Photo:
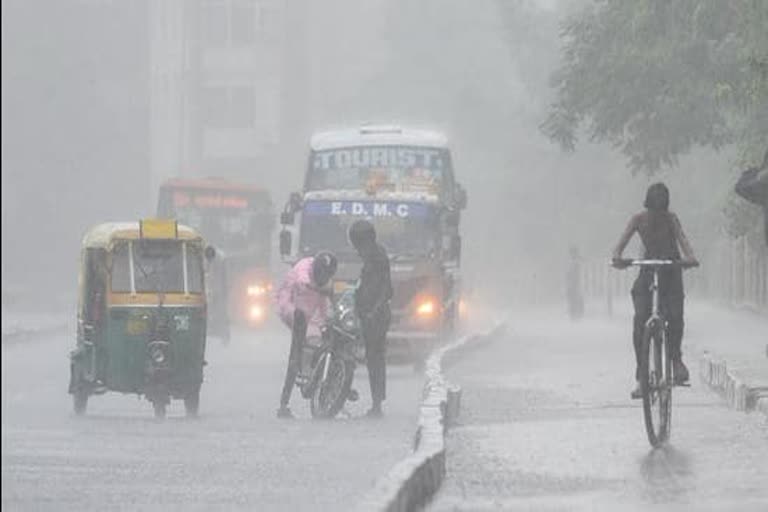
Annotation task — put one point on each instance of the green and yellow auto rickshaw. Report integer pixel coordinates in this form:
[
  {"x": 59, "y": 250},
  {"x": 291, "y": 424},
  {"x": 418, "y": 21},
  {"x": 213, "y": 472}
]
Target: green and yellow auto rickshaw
[{"x": 141, "y": 314}]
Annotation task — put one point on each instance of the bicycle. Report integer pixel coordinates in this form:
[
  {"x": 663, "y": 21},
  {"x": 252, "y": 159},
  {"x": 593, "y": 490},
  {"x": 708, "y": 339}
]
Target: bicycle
[{"x": 656, "y": 379}]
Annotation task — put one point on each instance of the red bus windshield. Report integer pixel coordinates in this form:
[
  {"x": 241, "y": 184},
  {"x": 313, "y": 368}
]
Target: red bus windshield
[{"x": 229, "y": 219}]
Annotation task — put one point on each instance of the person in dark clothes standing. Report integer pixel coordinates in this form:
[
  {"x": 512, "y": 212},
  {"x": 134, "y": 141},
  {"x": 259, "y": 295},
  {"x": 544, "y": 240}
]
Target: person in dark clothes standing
[{"x": 372, "y": 304}]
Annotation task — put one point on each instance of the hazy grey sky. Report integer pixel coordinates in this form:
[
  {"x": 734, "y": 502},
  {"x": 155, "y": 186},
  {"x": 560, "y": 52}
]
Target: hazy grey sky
[{"x": 77, "y": 114}]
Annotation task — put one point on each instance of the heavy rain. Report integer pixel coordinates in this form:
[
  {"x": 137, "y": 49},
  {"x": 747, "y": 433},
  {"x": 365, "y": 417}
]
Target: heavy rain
[{"x": 385, "y": 255}]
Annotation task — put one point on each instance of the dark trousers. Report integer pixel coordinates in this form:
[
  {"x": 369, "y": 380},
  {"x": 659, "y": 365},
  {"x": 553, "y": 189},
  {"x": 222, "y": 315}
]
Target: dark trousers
[
  {"x": 298, "y": 338},
  {"x": 375, "y": 336},
  {"x": 671, "y": 299}
]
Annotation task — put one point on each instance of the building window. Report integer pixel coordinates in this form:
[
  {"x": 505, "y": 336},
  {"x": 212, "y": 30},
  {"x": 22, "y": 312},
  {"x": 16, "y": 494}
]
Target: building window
[
  {"x": 231, "y": 22},
  {"x": 229, "y": 107}
]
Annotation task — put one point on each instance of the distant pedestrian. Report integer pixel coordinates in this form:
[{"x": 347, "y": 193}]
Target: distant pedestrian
[
  {"x": 574, "y": 292},
  {"x": 218, "y": 309}
]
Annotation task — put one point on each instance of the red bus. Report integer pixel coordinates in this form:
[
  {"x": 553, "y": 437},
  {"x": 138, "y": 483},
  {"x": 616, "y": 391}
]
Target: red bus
[{"x": 237, "y": 219}]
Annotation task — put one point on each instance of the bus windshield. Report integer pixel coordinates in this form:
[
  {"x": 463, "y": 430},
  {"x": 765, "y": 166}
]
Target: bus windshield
[
  {"x": 381, "y": 168},
  {"x": 234, "y": 221},
  {"x": 405, "y": 229}
]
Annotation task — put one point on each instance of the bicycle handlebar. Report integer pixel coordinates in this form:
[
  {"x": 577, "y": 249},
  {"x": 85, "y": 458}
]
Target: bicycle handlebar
[{"x": 653, "y": 263}]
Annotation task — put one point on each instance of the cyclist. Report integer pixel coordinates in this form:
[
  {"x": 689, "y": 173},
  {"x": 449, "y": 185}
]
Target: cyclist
[
  {"x": 663, "y": 238},
  {"x": 303, "y": 300}
]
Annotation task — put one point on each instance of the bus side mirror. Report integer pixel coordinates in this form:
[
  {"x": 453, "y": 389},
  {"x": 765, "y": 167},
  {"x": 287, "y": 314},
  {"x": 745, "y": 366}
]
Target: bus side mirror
[
  {"x": 461, "y": 197},
  {"x": 285, "y": 243},
  {"x": 287, "y": 218},
  {"x": 210, "y": 253},
  {"x": 88, "y": 332}
]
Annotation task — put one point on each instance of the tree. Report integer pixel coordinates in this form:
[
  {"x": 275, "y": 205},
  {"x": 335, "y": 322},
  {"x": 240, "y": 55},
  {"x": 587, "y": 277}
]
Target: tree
[{"x": 656, "y": 78}]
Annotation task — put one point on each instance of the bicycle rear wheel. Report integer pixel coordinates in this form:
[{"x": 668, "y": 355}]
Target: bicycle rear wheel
[{"x": 656, "y": 384}]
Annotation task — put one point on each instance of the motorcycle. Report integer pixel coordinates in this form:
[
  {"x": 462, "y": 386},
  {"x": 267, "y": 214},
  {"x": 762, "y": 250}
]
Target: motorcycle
[{"x": 328, "y": 367}]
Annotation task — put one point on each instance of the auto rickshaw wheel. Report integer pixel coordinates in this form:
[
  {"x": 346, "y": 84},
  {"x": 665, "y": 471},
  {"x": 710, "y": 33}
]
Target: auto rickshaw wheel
[
  {"x": 79, "y": 402},
  {"x": 192, "y": 404}
]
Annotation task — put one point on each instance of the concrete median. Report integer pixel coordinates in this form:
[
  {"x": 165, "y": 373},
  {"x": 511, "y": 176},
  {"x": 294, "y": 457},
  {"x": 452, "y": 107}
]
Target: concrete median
[
  {"x": 740, "y": 392},
  {"x": 412, "y": 483}
]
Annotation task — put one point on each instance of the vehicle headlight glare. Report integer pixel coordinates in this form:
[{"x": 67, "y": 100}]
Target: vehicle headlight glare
[
  {"x": 426, "y": 308},
  {"x": 256, "y": 290}
]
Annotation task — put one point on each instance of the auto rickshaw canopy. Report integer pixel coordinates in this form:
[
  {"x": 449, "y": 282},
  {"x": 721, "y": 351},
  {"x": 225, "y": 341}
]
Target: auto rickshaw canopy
[{"x": 103, "y": 236}]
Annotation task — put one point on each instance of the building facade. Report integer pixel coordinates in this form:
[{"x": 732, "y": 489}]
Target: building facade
[{"x": 216, "y": 78}]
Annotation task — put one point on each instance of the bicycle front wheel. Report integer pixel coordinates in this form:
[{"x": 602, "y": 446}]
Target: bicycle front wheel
[
  {"x": 656, "y": 384},
  {"x": 331, "y": 390}
]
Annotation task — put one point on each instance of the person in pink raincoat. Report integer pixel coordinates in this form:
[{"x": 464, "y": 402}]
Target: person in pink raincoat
[{"x": 303, "y": 302}]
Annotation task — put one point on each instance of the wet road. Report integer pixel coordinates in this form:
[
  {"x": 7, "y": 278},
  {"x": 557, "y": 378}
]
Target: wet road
[
  {"x": 547, "y": 424},
  {"x": 237, "y": 455}
]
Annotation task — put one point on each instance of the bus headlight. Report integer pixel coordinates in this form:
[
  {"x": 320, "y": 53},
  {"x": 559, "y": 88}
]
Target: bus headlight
[{"x": 426, "y": 308}]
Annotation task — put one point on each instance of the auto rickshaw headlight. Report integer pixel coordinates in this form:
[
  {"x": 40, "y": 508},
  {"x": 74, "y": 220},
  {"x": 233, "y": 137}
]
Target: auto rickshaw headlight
[{"x": 158, "y": 356}]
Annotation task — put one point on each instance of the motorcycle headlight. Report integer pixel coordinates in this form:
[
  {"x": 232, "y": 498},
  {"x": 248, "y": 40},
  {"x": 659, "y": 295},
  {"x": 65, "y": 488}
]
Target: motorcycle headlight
[{"x": 348, "y": 320}]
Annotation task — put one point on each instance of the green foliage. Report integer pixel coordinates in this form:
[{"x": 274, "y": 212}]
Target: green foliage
[{"x": 656, "y": 78}]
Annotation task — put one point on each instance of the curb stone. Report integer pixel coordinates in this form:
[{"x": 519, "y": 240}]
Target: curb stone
[
  {"x": 413, "y": 481},
  {"x": 737, "y": 394},
  {"x": 762, "y": 406}
]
